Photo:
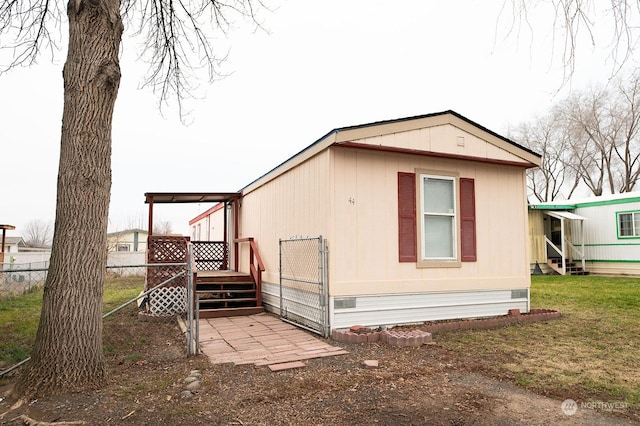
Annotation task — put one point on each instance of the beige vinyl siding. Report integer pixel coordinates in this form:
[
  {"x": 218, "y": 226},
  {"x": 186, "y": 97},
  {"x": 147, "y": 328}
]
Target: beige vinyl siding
[
  {"x": 614, "y": 268},
  {"x": 293, "y": 205},
  {"x": 442, "y": 139},
  {"x": 349, "y": 196},
  {"x": 364, "y": 249},
  {"x": 536, "y": 237}
]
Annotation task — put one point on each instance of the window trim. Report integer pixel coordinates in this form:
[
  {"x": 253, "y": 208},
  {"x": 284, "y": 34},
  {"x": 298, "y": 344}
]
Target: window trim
[
  {"x": 422, "y": 262},
  {"x": 636, "y": 232},
  {"x": 123, "y": 248}
]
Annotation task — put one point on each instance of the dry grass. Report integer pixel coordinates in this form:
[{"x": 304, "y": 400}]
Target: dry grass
[
  {"x": 432, "y": 384},
  {"x": 591, "y": 353},
  {"x": 19, "y": 316}
]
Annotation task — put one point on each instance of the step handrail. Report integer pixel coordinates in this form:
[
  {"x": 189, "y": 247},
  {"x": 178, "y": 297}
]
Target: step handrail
[
  {"x": 255, "y": 269},
  {"x": 560, "y": 250},
  {"x": 575, "y": 248}
]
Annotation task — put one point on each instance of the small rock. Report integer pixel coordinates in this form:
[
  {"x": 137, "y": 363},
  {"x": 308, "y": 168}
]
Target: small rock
[
  {"x": 186, "y": 394},
  {"x": 371, "y": 363},
  {"x": 194, "y": 385},
  {"x": 190, "y": 379},
  {"x": 195, "y": 373}
]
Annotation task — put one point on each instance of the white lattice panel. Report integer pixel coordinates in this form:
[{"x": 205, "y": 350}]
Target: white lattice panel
[{"x": 168, "y": 301}]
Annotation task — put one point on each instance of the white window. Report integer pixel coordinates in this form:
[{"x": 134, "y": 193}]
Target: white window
[
  {"x": 438, "y": 195},
  {"x": 629, "y": 224},
  {"x": 122, "y": 247}
]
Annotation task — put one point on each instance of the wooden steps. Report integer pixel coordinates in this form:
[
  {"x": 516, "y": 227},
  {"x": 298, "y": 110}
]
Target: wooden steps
[
  {"x": 225, "y": 293},
  {"x": 571, "y": 267},
  {"x": 230, "y": 312}
]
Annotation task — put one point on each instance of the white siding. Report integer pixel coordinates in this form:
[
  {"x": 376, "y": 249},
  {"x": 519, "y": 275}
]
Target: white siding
[
  {"x": 41, "y": 260},
  {"x": 601, "y": 237},
  {"x": 397, "y": 309}
]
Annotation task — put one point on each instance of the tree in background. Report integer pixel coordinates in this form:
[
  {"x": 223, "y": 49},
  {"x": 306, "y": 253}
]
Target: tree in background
[
  {"x": 546, "y": 136},
  {"x": 67, "y": 355},
  {"x": 591, "y": 139},
  {"x": 612, "y": 25},
  {"x": 38, "y": 233},
  {"x": 163, "y": 227}
]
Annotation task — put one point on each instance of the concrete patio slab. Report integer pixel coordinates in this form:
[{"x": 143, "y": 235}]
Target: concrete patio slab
[{"x": 260, "y": 339}]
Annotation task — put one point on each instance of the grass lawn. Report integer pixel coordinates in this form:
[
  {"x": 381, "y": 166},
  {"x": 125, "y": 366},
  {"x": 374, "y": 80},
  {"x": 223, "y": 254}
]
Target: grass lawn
[
  {"x": 19, "y": 316},
  {"x": 590, "y": 354}
]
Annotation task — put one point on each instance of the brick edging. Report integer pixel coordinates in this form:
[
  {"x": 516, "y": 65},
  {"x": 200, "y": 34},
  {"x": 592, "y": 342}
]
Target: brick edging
[{"x": 360, "y": 334}]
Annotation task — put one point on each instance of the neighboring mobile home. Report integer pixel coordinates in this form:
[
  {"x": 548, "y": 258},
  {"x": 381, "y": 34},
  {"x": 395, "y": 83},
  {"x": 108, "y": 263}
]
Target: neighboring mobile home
[
  {"x": 209, "y": 225},
  {"x": 129, "y": 240},
  {"x": 425, "y": 218},
  {"x": 601, "y": 233}
]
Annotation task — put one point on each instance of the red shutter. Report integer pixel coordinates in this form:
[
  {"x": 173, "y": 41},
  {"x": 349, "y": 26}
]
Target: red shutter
[
  {"x": 468, "y": 220},
  {"x": 407, "y": 234}
]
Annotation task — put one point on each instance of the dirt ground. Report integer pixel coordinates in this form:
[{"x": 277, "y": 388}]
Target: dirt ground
[{"x": 430, "y": 385}]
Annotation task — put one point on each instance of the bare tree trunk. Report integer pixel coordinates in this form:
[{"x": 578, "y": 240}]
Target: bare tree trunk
[{"x": 68, "y": 349}]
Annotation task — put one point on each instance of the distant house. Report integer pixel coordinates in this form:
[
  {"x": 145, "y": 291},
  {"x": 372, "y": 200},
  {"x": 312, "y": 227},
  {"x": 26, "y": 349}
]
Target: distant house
[
  {"x": 129, "y": 240},
  {"x": 599, "y": 234},
  {"x": 14, "y": 245},
  {"x": 424, "y": 218},
  {"x": 209, "y": 225}
]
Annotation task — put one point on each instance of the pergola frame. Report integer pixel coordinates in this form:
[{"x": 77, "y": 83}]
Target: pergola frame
[{"x": 152, "y": 198}]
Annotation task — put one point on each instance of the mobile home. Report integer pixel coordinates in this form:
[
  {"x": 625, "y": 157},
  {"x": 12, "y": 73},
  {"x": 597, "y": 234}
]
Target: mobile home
[
  {"x": 410, "y": 220},
  {"x": 602, "y": 233}
]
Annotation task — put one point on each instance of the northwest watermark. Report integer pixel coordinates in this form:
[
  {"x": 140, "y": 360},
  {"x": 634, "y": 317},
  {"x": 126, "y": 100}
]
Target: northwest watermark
[{"x": 569, "y": 407}]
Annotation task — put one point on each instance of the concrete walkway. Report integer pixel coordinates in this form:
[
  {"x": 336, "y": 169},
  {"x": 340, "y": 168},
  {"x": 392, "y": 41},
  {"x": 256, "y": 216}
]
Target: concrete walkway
[{"x": 261, "y": 339}]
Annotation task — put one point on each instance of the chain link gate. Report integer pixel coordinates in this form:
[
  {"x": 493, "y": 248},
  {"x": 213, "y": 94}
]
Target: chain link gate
[{"x": 304, "y": 276}]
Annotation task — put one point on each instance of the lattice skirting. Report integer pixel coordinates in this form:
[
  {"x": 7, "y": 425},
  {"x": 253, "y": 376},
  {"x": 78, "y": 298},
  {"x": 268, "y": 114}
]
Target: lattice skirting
[{"x": 168, "y": 301}]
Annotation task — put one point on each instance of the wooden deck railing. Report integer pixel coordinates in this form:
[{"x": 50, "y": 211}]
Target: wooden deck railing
[
  {"x": 256, "y": 267},
  {"x": 210, "y": 255}
]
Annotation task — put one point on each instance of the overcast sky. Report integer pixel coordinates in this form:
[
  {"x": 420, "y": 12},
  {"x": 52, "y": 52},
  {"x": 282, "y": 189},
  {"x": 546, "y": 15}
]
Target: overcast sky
[{"x": 322, "y": 65}]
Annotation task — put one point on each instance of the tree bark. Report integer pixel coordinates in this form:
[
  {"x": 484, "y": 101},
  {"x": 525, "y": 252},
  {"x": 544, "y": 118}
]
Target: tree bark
[{"x": 67, "y": 355}]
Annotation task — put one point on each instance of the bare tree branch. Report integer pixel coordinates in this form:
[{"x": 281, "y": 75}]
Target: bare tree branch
[
  {"x": 181, "y": 41},
  {"x": 594, "y": 135},
  {"x": 26, "y": 27},
  {"x": 575, "y": 22},
  {"x": 557, "y": 176}
]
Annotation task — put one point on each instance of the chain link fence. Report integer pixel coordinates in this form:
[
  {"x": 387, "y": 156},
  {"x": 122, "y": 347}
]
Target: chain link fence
[
  {"x": 18, "y": 277},
  {"x": 303, "y": 283},
  {"x": 21, "y": 278},
  {"x": 165, "y": 299}
]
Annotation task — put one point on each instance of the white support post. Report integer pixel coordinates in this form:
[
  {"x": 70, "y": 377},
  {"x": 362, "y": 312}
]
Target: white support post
[
  {"x": 584, "y": 268},
  {"x": 563, "y": 248}
]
